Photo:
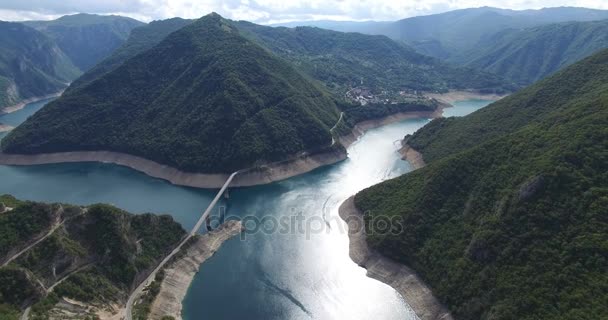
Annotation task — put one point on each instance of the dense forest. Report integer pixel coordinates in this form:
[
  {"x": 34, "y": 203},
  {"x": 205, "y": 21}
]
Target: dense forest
[
  {"x": 87, "y": 38},
  {"x": 508, "y": 219},
  {"x": 204, "y": 99},
  {"x": 31, "y": 64},
  {"x": 528, "y": 55},
  {"x": 341, "y": 60},
  {"x": 96, "y": 256}
]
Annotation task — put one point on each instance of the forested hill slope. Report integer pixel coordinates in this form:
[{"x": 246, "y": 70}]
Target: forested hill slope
[
  {"x": 534, "y": 104},
  {"x": 342, "y": 60},
  {"x": 31, "y": 64},
  {"x": 94, "y": 255},
  {"x": 140, "y": 39},
  {"x": 205, "y": 99},
  {"x": 528, "y": 55},
  {"x": 508, "y": 220},
  {"x": 87, "y": 38}
]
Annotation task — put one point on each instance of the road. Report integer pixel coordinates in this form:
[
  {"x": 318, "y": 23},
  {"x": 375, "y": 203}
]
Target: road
[
  {"x": 56, "y": 226},
  {"x": 333, "y": 139},
  {"x": 128, "y": 310}
]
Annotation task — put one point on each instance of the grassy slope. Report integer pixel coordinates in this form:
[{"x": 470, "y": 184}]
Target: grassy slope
[
  {"x": 525, "y": 56},
  {"x": 204, "y": 99},
  {"x": 87, "y": 38},
  {"x": 508, "y": 220},
  {"x": 31, "y": 64},
  {"x": 117, "y": 248}
]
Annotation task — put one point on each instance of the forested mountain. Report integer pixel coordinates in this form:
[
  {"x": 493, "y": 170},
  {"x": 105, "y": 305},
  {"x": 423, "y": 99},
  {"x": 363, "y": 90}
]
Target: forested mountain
[
  {"x": 342, "y": 60},
  {"x": 93, "y": 255},
  {"x": 141, "y": 39},
  {"x": 451, "y": 33},
  {"x": 30, "y": 64},
  {"x": 87, "y": 38},
  {"x": 528, "y": 55},
  {"x": 508, "y": 219},
  {"x": 204, "y": 99}
]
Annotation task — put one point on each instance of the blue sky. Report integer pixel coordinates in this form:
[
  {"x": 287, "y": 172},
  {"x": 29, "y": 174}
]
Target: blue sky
[{"x": 266, "y": 11}]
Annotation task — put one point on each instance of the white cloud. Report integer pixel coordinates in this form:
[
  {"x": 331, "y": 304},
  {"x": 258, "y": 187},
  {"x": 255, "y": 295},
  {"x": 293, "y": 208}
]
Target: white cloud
[{"x": 263, "y": 11}]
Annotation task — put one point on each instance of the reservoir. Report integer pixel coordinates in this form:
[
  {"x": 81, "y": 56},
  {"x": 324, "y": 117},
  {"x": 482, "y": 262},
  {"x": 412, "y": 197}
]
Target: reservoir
[{"x": 274, "y": 272}]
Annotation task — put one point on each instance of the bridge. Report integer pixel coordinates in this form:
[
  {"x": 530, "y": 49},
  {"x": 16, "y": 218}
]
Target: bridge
[{"x": 137, "y": 292}]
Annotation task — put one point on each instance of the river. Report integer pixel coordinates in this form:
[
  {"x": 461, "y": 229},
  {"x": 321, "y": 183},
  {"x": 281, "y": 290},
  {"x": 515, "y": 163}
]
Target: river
[{"x": 277, "y": 272}]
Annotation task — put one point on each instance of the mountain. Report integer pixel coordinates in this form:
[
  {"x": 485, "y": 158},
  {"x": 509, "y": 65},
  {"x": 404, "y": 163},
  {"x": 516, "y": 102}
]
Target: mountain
[
  {"x": 341, "y": 60},
  {"x": 141, "y": 39},
  {"x": 94, "y": 255},
  {"x": 446, "y": 34},
  {"x": 205, "y": 99},
  {"x": 31, "y": 64},
  {"x": 87, "y": 38},
  {"x": 508, "y": 219},
  {"x": 528, "y": 55}
]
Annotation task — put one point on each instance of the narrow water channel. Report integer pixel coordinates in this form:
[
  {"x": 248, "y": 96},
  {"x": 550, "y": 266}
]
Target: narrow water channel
[{"x": 298, "y": 272}]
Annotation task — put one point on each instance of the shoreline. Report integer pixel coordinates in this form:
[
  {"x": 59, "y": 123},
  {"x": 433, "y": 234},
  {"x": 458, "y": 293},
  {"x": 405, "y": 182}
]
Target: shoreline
[
  {"x": 23, "y": 103},
  {"x": 401, "y": 278},
  {"x": 360, "y": 128},
  {"x": 250, "y": 177},
  {"x": 180, "y": 273},
  {"x": 412, "y": 156},
  {"x": 459, "y": 95}
]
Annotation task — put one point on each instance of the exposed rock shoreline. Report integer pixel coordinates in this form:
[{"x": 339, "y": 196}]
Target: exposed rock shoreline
[
  {"x": 251, "y": 177},
  {"x": 460, "y": 95},
  {"x": 412, "y": 156},
  {"x": 23, "y": 103},
  {"x": 403, "y": 279},
  {"x": 180, "y": 273}
]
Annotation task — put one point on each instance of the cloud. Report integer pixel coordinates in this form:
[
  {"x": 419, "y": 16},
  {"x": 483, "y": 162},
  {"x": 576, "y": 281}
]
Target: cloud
[{"x": 264, "y": 11}]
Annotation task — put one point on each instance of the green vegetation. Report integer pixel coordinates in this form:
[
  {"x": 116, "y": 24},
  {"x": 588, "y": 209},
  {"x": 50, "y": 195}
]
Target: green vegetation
[
  {"x": 141, "y": 310},
  {"x": 87, "y": 38},
  {"x": 31, "y": 64},
  {"x": 141, "y": 39},
  {"x": 525, "y": 56},
  {"x": 204, "y": 99},
  {"x": 508, "y": 219},
  {"x": 358, "y": 113},
  {"x": 341, "y": 60},
  {"x": 98, "y": 254},
  {"x": 22, "y": 223}
]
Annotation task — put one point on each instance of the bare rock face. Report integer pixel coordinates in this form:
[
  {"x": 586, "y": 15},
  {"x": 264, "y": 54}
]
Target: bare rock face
[{"x": 531, "y": 187}]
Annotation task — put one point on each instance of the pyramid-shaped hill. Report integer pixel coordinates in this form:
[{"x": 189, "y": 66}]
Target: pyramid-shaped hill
[{"x": 205, "y": 99}]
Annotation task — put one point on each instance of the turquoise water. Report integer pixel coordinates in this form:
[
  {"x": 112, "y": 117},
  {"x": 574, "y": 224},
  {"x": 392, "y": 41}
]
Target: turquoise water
[
  {"x": 301, "y": 274},
  {"x": 462, "y": 108}
]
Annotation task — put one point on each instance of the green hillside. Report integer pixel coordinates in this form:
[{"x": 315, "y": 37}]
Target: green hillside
[
  {"x": 449, "y": 34},
  {"x": 526, "y": 56},
  {"x": 141, "y": 39},
  {"x": 508, "y": 219},
  {"x": 204, "y": 99},
  {"x": 95, "y": 257},
  {"x": 341, "y": 60},
  {"x": 30, "y": 64},
  {"x": 87, "y": 38}
]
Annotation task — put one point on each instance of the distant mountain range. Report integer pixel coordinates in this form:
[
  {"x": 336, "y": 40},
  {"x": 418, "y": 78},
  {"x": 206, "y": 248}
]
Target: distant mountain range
[
  {"x": 508, "y": 218},
  {"x": 38, "y": 58},
  {"x": 87, "y": 38},
  {"x": 31, "y": 64},
  {"x": 448, "y": 34},
  {"x": 526, "y": 56}
]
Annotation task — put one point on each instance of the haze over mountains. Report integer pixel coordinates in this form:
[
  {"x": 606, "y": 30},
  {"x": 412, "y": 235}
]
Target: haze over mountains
[{"x": 39, "y": 58}]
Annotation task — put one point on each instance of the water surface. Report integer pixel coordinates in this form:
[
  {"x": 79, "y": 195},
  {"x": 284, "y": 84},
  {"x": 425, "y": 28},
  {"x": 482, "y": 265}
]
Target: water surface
[{"x": 267, "y": 275}]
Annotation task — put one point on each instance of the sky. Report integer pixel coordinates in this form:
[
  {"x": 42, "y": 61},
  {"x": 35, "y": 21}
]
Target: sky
[{"x": 266, "y": 11}]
